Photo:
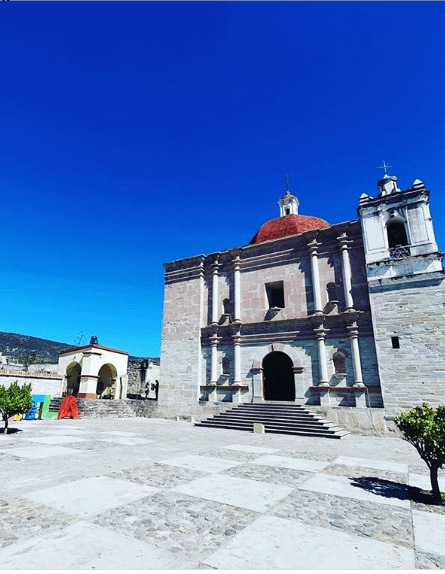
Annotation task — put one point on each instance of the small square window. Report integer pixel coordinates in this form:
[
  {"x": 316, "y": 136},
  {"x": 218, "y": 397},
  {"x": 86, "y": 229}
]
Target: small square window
[
  {"x": 395, "y": 342},
  {"x": 275, "y": 294}
]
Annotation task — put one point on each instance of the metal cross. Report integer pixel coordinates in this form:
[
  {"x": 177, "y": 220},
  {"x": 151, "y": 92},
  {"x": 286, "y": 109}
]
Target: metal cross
[
  {"x": 287, "y": 183},
  {"x": 384, "y": 166}
]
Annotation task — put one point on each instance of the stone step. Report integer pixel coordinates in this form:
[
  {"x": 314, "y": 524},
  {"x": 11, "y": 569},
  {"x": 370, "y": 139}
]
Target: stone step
[
  {"x": 279, "y": 419},
  {"x": 268, "y": 429}
]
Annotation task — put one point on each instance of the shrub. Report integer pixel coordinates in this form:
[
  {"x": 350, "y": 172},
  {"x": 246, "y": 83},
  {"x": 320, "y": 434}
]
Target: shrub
[
  {"x": 424, "y": 427},
  {"x": 14, "y": 400}
]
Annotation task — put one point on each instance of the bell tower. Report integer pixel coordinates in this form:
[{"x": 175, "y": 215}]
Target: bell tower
[
  {"x": 398, "y": 232},
  {"x": 288, "y": 203},
  {"x": 406, "y": 285}
]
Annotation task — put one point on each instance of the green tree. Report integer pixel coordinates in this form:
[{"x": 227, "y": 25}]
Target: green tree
[
  {"x": 14, "y": 400},
  {"x": 29, "y": 358},
  {"x": 424, "y": 427}
]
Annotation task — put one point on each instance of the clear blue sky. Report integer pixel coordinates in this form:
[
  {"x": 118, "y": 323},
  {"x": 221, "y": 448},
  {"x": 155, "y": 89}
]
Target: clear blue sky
[{"x": 138, "y": 133}]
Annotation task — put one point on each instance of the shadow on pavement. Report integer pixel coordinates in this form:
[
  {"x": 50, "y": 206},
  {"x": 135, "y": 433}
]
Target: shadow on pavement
[
  {"x": 382, "y": 487},
  {"x": 10, "y": 431}
]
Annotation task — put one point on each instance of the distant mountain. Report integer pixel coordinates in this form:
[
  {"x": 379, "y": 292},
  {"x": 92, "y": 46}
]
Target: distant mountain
[{"x": 18, "y": 346}]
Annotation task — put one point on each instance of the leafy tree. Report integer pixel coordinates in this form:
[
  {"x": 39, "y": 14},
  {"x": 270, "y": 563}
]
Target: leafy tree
[
  {"x": 14, "y": 400},
  {"x": 27, "y": 359},
  {"x": 424, "y": 427}
]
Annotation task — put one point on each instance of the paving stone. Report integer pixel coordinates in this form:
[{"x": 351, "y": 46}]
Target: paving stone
[
  {"x": 249, "y": 494},
  {"x": 360, "y": 488},
  {"x": 429, "y": 532},
  {"x": 196, "y": 526},
  {"x": 374, "y": 464},
  {"x": 125, "y": 440},
  {"x": 384, "y": 476},
  {"x": 21, "y": 519},
  {"x": 191, "y": 513},
  {"x": 251, "y": 448},
  {"x": 357, "y": 516},
  {"x": 270, "y": 474},
  {"x": 157, "y": 474},
  {"x": 429, "y": 561},
  {"x": 34, "y": 452},
  {"x": 66, "y": 550},
  {"x": 90, "y": 495},
  {"x": 63, "y": 439},
  {"x": 200, "y": 463},
  {"x": 291, "y": 463},
  {"x": 230, "y": 454},
  {"x": 270, "y": 543}
]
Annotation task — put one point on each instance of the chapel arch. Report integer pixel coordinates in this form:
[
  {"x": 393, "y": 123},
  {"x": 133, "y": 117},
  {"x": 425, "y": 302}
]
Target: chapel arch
[
  {"x": 278, "y": 377},
  {"x": 106, "y": 382},
  {"x": 73, "y": 371}
]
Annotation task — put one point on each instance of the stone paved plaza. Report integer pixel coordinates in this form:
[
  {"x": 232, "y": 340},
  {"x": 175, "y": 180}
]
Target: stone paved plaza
[{"x": 158, "y": 494}]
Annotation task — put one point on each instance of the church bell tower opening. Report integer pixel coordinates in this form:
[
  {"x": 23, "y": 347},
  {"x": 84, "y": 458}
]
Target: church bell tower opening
[{"x": 278, "y": 377}]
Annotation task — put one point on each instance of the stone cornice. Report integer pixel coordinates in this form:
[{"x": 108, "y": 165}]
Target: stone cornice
[
  {"x": 90, "y": 348},
  {"x": 293, "y": 330}
]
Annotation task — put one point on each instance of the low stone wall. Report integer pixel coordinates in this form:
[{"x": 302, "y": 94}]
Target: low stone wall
[
  {"x": 121, "y": 408},
  {"x": 361, "y": 421}
]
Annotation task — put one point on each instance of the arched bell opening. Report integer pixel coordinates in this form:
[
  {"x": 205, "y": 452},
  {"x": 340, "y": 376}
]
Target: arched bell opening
[
  {"x": 278, "y": 377},
  {"x": 396, "y": 234}
]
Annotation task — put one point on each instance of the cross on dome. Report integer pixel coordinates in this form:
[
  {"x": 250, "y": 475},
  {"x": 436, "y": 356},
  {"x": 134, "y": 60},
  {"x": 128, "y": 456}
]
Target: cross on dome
[{"x": 287, "y": 183}]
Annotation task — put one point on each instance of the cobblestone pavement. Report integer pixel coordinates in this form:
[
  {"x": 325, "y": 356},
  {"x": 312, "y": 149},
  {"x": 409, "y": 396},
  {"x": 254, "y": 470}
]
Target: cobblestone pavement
[{"x": 157, "y": 494}]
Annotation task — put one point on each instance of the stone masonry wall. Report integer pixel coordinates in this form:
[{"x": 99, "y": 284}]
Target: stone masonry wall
[
  {"x": 306, "y": 353},
  {"x": 180, "y": 375},
  {"x": 412, "y": 310}
]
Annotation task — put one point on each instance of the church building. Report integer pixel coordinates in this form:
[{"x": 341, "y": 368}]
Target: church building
[{"x": 347, "y": 319}]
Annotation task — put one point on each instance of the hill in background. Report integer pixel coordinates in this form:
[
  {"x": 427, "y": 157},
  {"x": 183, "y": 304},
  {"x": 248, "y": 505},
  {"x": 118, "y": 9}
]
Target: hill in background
[{"x": 18, "y": 346}]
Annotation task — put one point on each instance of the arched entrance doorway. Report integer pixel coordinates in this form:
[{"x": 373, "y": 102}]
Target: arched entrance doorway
[
  {"x": 106, "y": 382},
  {"x": 73, "y": 371},
  {"x": 278, "y": 377}
]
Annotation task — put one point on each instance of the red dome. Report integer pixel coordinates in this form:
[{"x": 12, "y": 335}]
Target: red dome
[{"x": 288, "y": 225}]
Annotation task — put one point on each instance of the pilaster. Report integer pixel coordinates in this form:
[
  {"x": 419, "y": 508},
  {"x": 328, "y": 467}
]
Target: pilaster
[
  {"x": 344, "y": 243},
  {"x": 313, "y": 252}
]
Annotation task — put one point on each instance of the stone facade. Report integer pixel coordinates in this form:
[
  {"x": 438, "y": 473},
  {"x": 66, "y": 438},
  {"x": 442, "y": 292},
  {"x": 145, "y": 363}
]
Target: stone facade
[
  {"x": 299, "y": 301},
  {"x": 346, "y": 318},
  {"x": 410, "y": 340}
]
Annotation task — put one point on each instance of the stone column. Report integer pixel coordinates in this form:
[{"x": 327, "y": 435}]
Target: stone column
[
  {"x": 117, "y": 388},
  {"x": 89, "y": 375},
  {"x": 124, "y": 385},
  {"x": 320, "y": 333},
  {"x": 214, "y": 358},
  {"x": 236, "y": 287},
  {"x": 346, "y": 270},
  {"x": 64, "y": 387},
  {"x": 215, "y": 299},
  {"x": 236, "y": 336},
  {"x": 313, "y": 251},
  {"x": 355, "y": 351}
]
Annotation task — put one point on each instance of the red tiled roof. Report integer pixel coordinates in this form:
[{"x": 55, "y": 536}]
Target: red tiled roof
[{"x": 288, "y": 225}]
